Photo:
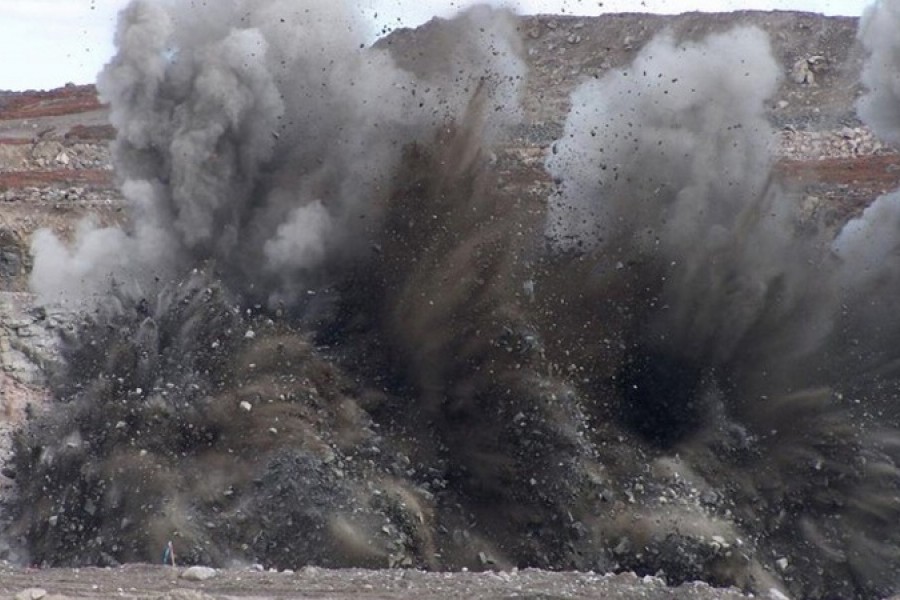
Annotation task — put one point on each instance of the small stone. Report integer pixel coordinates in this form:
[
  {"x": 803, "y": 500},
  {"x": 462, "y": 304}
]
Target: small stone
[
  {"x": 776, "y": 594},
  {"x": 180, "y": 594},
  {"x": 198, "y": 573},
  {"x": 31, "y": 594},
  {"x": 528, "y": 288},
  {"x": 246, "y": 406},
  {"x": 782, "y": 563},
  {"x": 709, "y": 497}
]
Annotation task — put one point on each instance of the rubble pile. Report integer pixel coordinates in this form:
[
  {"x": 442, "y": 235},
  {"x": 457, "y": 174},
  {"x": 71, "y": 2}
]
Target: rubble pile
[
  {"x": 60, "y": 197},
  {"x": 59, "y": 155},
  {"x": 846, "y": 142},
  {"x": 54, "y": 155}
]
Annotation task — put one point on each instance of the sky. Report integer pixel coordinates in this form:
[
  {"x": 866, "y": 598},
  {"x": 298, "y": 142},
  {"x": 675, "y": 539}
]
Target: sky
[{"x": 47, "y": 43}]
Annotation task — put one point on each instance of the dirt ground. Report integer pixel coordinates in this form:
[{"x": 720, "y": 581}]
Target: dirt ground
[{"x": 151, "y": 581}]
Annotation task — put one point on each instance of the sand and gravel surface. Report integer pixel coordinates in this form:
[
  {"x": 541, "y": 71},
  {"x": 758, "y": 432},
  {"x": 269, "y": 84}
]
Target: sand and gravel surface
[{"x": 151, "y": 581}]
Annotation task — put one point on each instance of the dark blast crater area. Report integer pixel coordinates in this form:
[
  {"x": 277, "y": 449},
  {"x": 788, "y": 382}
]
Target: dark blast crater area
[
  {"x": 661, "y": 398},
  {"x": 354, "y": 319}
]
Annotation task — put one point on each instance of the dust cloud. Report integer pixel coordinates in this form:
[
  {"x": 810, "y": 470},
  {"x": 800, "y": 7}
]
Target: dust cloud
[{"x": 267, "y": 151}]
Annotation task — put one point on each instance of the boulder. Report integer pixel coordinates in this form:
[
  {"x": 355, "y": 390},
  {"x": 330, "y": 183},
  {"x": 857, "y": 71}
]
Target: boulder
[{"x": 198, "y": 573}]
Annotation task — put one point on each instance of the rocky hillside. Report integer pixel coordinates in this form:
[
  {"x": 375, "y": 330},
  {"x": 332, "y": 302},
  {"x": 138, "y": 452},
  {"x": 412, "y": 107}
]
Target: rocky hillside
[
  {"x": 820, "y": 56},
  {"x": 823, "y": 147},
  {"x": 54, "y": 171}
]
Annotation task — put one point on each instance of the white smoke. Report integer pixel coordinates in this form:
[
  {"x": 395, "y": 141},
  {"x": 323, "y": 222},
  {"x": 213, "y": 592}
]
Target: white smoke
[
  {"x": 263, "y": 136},
  {"x": 880, "y": 106},
  {"x": 668, "y": 160},
  {"x": 868, "y": 246},
  {"x": 679, "y": 133}
]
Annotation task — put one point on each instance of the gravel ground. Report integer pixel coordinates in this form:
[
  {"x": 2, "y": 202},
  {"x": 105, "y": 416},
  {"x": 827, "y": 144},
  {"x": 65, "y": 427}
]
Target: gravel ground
[{"x": 149, "y": 581}]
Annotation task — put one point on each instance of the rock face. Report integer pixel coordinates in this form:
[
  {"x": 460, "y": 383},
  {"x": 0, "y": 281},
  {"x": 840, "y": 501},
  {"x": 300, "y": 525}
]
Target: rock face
[
  {"x": 54, "y": 171},
  {"x": 13, "y": 258}
]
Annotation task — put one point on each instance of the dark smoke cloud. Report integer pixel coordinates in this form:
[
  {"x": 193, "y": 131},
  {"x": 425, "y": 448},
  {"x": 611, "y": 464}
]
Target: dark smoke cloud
[
  {"x": 658, "y": 368},
  {"x": 180, "y": 423}
]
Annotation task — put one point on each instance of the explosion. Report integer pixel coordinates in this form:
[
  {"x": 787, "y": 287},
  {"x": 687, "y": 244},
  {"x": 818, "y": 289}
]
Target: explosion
[{"x": 331, "y": 335}]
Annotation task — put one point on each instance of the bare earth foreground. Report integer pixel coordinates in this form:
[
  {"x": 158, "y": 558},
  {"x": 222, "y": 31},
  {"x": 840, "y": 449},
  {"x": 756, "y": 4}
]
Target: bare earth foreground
[{"x": 147, "y": 581}]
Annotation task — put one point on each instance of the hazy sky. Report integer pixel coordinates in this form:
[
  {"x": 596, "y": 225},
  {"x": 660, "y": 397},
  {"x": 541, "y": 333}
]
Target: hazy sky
[{"x": 46, "y": 43}]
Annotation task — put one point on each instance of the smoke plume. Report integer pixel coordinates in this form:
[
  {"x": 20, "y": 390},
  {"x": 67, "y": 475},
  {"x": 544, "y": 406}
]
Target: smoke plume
[
  {"x": 739, "y": 321},
  {"x": 333, "y": 333},
  {"x": 264, "y": 137},
  {"x": 664, "y": 164},
  {"x": 880, "y": 108}
]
